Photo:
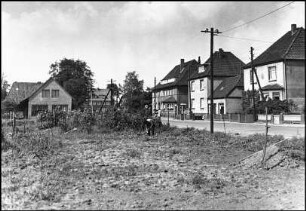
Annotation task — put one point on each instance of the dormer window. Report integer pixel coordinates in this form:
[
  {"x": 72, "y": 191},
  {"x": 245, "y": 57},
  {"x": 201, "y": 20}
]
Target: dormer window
[{"x": 201, "y": 69}]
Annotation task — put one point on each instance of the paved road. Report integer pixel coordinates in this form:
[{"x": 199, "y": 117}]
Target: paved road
[{"x": 243, "y": 129}]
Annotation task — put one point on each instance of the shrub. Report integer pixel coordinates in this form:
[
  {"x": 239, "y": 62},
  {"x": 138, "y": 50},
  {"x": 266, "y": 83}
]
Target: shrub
[{"x": 38, "y": 144}]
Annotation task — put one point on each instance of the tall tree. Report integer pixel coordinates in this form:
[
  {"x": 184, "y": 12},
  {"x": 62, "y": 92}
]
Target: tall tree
[
  {"x": 4, "y": 87},
  {"x": 133, "y": 92},
  {"x": 76, "y": 78}
]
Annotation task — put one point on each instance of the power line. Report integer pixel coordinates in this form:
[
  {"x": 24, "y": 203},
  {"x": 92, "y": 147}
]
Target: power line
[
  {"x": 240, "y": 38},
  {"x": 258, "y": 18}
]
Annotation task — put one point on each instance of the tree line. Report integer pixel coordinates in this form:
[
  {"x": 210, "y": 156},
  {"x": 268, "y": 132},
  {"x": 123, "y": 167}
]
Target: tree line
[{"x": 76, "y": 77}]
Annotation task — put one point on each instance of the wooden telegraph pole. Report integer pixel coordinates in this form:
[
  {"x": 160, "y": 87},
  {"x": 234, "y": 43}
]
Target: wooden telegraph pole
[
  {"x": 252, "y": 81},
  {"x": 212, "y": 33}
]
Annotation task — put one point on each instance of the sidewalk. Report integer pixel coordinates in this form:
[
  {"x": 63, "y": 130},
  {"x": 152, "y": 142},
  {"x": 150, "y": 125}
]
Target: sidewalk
[{"x": 221, "y": 122}]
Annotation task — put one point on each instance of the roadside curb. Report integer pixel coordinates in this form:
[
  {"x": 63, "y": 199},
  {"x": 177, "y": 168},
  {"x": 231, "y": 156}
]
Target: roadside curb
[{"x": 255, "y": 123}]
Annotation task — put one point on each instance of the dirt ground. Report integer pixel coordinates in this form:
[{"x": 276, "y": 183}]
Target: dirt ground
[{"x": 132, "y": 171}]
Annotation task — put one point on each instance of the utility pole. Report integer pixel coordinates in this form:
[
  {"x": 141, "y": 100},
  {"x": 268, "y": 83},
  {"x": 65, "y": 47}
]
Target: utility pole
[
  {"x": 189, "y": 93},
  {"x": 212, "y": 33},
  {"x": 252, "y": 81},
  {"x": 154, "y": 94},
  {"x": 112, "y": 90}
]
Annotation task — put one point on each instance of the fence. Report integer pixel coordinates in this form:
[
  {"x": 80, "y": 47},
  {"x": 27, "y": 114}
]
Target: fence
[{"x": 283, "y": 118}]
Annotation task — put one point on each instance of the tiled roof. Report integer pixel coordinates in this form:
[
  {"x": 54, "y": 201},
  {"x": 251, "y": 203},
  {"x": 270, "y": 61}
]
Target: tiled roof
[
  {"x": 181, "y": 77},
  {"x": 227, "y": 86},
  {"x": 225, "y": 64},
  {"x": 272, "y": 87},
  {"x": 22, "y": 90},
  {"x": 289, "y": 46}
]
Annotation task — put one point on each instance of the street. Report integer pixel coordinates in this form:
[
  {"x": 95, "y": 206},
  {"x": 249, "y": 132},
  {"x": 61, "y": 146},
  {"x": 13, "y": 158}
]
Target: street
[{"x": 243, "y": 129}]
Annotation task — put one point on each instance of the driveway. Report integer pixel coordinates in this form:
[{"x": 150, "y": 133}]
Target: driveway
[{"x": 244, "y": 129}]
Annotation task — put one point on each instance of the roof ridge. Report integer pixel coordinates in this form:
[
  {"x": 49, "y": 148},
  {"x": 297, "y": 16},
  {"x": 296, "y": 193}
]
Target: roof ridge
[{"x": 290, "y": 46}]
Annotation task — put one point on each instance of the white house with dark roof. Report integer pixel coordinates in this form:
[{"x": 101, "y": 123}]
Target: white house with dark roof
[
  {"x": 281, "y": 68},
  {"x": 227, "y": 85},
  {"x": 34, "y": 97}
]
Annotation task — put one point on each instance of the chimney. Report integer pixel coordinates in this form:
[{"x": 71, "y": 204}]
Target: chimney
[
  {"x": 220, "y": 52},
  {"x": 182, "y": 64},
  {"x": 293, "y": 28},
  {"x": 199, "y": 60}
]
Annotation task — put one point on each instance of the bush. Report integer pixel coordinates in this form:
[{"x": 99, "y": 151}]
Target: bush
[{"x": 38, "y": 144}]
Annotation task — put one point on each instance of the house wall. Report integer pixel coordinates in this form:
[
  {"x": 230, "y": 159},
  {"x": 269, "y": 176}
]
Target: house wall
[
  {"x": 197, "y": 94},
  {"x": 233, "y": 105},
  {"x": 295, "y": 72},
  {"x": 179, "y": 93},
  {"x": 63, "y": 99},
  {"x": 263, "y": 75}
]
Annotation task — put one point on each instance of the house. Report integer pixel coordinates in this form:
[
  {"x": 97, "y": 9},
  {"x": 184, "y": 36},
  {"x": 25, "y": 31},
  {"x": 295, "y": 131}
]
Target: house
[
  {"x": 99, "y": 97},
  {"x": 228, "y": 85},
  {"x": 281, "y": 68},
  {"x": 34, "y": 97},
  {"x": 172, "y": 90}
]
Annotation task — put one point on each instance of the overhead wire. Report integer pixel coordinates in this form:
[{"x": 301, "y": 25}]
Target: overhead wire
[
  {"x": 230, "y": 29},
  {"x": 240, "y": 38}
]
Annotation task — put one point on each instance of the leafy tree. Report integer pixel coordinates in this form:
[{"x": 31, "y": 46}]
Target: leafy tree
[
  {"x": 4, "y": 87},
  {"x": 76, "y": 78},
  {"x": 134, "y": 95}
]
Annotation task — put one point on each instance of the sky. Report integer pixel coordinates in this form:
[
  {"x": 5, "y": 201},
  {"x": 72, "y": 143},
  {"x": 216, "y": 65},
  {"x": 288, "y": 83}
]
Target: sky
[{"x": 115, "y": 38}]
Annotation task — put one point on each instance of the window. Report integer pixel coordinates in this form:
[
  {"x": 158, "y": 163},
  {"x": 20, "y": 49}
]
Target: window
[
  {"x": 275, "y": 95},
  {"x": 201, "y": 84},
  {"x": 60, "y": 107},
  {"x": 46, "y": 93},
  {"x": 192, "y": 104},
  {"x": 272, "y": 73},
  {"x": 38, "y": 108},
  {"x": 201, "y": 69},
  {"x": 55, "y": 94},
  {"x": 192, "y": 86},
  {"x": 202, "y": 103}
]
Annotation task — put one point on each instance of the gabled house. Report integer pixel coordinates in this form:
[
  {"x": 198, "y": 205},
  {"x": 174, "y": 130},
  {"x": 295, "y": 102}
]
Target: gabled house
[
  {"x": 281, "y": 68},
  {"x": 172, "y": 90},
  {"x": 227, "y": 85},
  {"x": 34, "y": 97}
]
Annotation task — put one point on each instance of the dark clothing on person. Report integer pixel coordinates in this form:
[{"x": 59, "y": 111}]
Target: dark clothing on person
[{"x": 150, "y": 126}]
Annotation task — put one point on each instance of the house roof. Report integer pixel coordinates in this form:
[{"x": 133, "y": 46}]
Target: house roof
[
  {"x": 227, "y": 86},
  {"x": 22, "y": 90},
  {"x": 100, "y": 93},
  {"x": 272, "y": 87},
  {"x": 170, "y": 99},
  {"x": 225, "y": 64},
  {"x": 289, "y": 46},
  {"x": 181, "y": 77},
  {"x": 46, "y": 84}
]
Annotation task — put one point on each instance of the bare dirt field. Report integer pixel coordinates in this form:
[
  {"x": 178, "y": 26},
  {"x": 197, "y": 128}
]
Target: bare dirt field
[{"x": 176, "y": 169}]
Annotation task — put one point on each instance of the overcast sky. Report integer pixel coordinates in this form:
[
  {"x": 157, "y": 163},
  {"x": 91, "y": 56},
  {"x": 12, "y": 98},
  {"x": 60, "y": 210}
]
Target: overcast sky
[{"x": 119, "y": 37}]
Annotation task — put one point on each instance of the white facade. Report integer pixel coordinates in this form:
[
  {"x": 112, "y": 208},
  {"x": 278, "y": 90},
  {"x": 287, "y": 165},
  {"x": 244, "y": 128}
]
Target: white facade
[
  {"x": 266, "y": 78},
  {"x": 200, "y": 93}
]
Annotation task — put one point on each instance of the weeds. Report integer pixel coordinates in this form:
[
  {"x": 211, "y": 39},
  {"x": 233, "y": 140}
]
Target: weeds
[{"x": 133, "y": 153}]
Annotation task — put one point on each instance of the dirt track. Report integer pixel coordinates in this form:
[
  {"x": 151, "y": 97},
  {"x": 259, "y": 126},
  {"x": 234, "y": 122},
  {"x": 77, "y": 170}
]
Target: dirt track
[{"x": 131, "y": 171}]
